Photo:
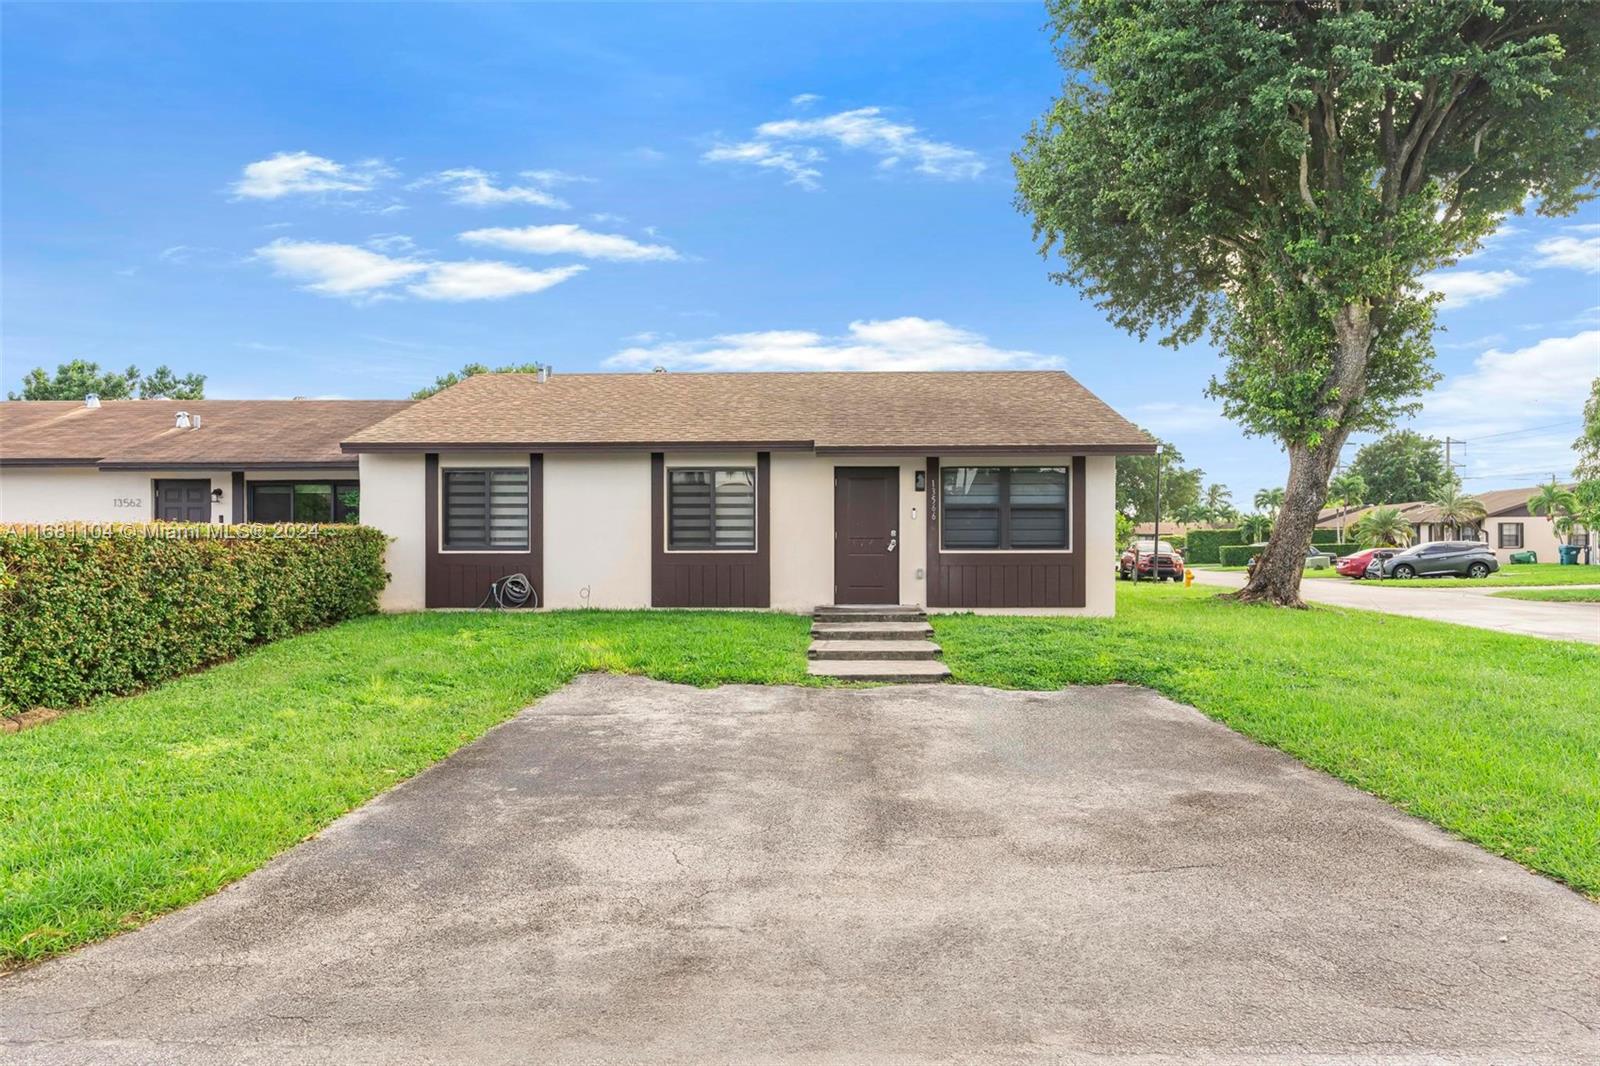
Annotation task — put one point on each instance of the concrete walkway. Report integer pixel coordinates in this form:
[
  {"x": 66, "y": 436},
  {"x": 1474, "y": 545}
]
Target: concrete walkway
[
  {"x": 638, "y": 872},
  {"x": 1466, "y": 606}
]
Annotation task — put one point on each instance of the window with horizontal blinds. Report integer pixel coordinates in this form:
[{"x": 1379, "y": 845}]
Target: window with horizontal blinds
[
  {"x": 711, "y": 509},
  {"x": 486, "y": 509},
  {"x": 1004, "y": 508}
]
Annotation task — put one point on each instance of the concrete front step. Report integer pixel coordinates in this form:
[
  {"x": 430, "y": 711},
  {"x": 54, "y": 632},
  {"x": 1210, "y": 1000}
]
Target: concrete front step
[
  {"x": 874, "y": 649},
  {"x": 871, "y": 630},
  {"x": 893, "y": 670},
  {"x": 887, "y": 614}
]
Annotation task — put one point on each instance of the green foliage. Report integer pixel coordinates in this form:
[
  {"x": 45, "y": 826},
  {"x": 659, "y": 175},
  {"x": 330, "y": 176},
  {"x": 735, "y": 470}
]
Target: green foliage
[
  {"x": 1136, "y": 484},
  {"x": 1124, "y": 532},
  {"x": 96, "y": 610},
  {"x": 1322, "y": 537},
  {"x": 1382, "y": 527},
  {"x": 1218, "y": 504},
  {"x": 1204, "y": 544},
  {"x": 455, "y": 377},
  {"x": 1553, "y": 501},
  {"x": 80, "y": 378},
  {"x": 1402, "y": 467},
  {"x": 1347, "y": 489},
  {"x": 1255, "y": 527},
  {"x": 1269, "y": 500},
  {"x": 1588, "y": 445},
  {"x": 1238, "y": 554},
  {"x": 1457, "y": 509}
]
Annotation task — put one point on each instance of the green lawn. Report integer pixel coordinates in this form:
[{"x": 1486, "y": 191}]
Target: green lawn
[
  {"x": 1553, "y": 595},
  {"x": 1326, "y": 571},
  {"x": 138, "y": 805}
]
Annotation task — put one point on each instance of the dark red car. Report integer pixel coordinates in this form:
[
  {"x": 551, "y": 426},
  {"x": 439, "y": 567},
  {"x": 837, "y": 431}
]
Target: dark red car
[
  {"x": 1162, "y": 564},
  {"x": 1355, "y": 564}
]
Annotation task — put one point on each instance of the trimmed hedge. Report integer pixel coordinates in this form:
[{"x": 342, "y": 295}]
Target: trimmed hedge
[
  {"x": 97, "y": 610},
  {"x": 1204, "y": 544},
  {"x": 1239, "y": 554}
]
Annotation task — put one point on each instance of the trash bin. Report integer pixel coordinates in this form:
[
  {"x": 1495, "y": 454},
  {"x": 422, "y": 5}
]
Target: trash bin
[
  {"x": 1524, "y": 557},
  {"x": 1569, "y": 554}
]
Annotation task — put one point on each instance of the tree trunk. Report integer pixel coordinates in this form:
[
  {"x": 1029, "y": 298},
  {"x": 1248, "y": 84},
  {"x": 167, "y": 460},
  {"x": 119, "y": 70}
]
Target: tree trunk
[{"x": 1282, "y": 563}]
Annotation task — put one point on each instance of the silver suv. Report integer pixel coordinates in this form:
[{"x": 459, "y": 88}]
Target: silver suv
[{"x": 1453, "y": 558}]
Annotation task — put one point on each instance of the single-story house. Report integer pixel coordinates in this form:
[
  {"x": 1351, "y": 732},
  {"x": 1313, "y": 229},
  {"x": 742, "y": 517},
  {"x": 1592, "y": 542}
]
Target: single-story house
[
  {"x": 182, "y": 460},
  {"x": 1507, "y": 526},
  {"x": 957, "y": 490}
]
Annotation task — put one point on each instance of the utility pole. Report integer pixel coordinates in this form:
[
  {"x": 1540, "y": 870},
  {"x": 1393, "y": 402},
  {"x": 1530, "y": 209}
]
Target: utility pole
[
  {"x": 1155, "y": 544},
  {"x": 1448, "y": 464}
]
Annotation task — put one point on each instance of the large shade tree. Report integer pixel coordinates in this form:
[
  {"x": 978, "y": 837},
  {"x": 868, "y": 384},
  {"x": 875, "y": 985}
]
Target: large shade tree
[
  {"x": 1136, "y": 483},
  {"x": 1402, "y": 467},
  {"x": 1278, "y": 175},
  {"x": 80, "y": 378}
]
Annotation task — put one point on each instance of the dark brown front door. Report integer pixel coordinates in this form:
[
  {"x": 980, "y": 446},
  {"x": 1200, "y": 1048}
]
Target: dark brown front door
[
  {"x": 183, "y": 501},
  {"x": 866, "y": 548}
]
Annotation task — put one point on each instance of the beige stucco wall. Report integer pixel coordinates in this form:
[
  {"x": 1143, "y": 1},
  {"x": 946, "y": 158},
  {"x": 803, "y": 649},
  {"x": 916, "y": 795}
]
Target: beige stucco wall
[
  {"x": 597, "y": 530},
  {"x": 392, "y": 500},
  {"x": 87, "y": 494}
]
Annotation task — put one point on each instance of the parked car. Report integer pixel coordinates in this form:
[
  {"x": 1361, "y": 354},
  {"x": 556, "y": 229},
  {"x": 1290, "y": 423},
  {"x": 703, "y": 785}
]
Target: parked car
[
  {"x": 1163, "y": 563},
  {"x": 1445, "y": 558},
  {"x": 1355, "y": 564},
  {"x": 1317, "y": 559}
]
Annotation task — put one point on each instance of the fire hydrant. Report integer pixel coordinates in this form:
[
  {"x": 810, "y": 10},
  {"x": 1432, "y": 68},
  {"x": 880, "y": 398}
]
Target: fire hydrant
[{"x": 1188, "y": 577}]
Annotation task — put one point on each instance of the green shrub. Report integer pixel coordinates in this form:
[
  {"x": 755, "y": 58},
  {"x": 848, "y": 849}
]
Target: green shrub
[
  {"x": 1340, "y": 548},
  {"x": 1204, "y": 544},
  {"x": 88, "y": 611},
  {"x": 1324, "y": 536},
  {"x": 1237, "y": 554}
]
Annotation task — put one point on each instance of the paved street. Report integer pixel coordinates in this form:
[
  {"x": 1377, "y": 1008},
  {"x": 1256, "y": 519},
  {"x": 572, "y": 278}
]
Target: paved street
[
  {"x": 632, "y": 871},
  {"x": 1467, "y": 606}
]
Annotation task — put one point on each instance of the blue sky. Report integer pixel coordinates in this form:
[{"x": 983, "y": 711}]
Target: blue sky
[{"x": 347, "y": 201}]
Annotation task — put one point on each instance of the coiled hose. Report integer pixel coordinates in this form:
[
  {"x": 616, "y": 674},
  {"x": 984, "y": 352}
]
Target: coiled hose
[{"x": 513, "y": 590}]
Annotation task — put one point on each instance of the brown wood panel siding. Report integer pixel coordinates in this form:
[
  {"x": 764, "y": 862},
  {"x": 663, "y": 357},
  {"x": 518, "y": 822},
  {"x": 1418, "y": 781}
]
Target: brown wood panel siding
[
  {"x": 1011, "y": 578},
  {"x": 710, "y": 579},
  {"x": 237, "y": 493},
  {"x": 462, "y": 579}
]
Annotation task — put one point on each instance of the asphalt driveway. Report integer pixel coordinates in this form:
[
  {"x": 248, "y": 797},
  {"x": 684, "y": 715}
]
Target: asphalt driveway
[
  {"x": 1464, "y": 605},
  {"x": 635, "y": 871}
]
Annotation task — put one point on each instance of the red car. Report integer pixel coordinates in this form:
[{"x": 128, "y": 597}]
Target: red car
[
  {"x": 1152, "y": 563},
  {"x": 1355, "y": 565}
]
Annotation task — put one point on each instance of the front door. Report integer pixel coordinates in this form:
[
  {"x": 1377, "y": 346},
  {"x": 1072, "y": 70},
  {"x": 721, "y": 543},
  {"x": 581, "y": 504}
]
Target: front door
[
  {"x": 183, "y": 501},
  {"x": 866, "y": 534}
]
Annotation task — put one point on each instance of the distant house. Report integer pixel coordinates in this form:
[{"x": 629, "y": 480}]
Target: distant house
[
  {"x": 960, "y": 490},
  {"x": 182, "y": 460},
  {"x": 1507, "y": 527}
]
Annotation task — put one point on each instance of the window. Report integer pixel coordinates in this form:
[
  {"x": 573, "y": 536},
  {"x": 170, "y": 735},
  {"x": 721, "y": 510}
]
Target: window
[
  {"x": 308, "y": 501},
  {"x": 711, "y": 509},
  {"x": 486, "y": 509},
  {"x": 1000, "y": 508},
  {"x": 1510, "y": 534}
]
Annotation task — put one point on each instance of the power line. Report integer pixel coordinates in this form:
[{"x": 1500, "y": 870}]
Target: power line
[{"x": 1520, "y": 432}]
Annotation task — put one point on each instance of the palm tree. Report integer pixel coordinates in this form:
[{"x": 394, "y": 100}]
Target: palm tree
[
  {"x": 1382, "y": 527},
  {"x": 1219, "y": 503},
  {"x": 1347, "y": 489},
  {"x": 1255, "y": 527},
  {"x": 1456, "y": 510},
  {"x": 1270, "y": 501},
  {"x": 1552, "y": 501},
  {"x": 1190, "y": 514}
]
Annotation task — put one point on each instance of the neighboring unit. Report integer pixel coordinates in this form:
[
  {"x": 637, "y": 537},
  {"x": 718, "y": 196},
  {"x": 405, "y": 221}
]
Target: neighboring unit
[
  {"x": 1507, "y": 527},
  {"x": 182, "y": 460},
  {"x": 783, "y": 490}
]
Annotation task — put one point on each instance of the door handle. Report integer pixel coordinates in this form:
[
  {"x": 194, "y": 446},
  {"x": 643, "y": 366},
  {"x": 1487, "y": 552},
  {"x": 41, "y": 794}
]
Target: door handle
[{"x": 892, "y": 541}]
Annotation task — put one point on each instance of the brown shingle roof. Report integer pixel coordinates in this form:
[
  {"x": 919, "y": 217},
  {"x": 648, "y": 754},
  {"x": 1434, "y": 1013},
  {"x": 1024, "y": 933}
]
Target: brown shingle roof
[
  {"x": 1495, "y": 502},
  {"x": 883, "y": 410},
  {"x": 143, "y": 433}
]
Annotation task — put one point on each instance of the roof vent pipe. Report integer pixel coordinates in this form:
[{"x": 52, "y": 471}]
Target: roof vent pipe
[
  {"x": 194, "y": 423},
  {"x": 91, "y": 401},
  {"x": 544, "y": 373},
  {"x": 183, "y": 420},
  {"x": 658, "y": 370}
]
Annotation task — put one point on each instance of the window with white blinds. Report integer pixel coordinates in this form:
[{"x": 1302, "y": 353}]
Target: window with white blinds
[
  {"x": 711, "y": 509},
  {"x": 486, "y": 509}
]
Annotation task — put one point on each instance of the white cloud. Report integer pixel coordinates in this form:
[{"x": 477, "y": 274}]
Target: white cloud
[
  {"x": 1170, "y": 417},
  {"x": 646, "y": 154},
  {"x": 569, "y": 239},
  {"x": 475, "y": 280},
  {"x": 794, "y": 160},
  {"x": 392, "y": 243},
  {"x": 804, "y": 99},
  {"x": 301, "y": 173},
  {"x": 472, "y": 187},
  {"x": 1573, "y": 253},
  {"x": 555, "y": 177},
  {"x": 363, "y": 275},
  {"x": 889, "y": 344},
  {"x": 1462, "y": 288},
  {"x": 337, "y": 269},
  {"x": 787, "y": 145}
]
